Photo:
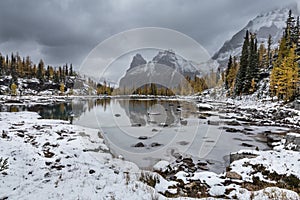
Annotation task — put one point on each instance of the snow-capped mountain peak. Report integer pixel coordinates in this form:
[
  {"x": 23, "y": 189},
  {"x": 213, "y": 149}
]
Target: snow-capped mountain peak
[{"x": 272, "y": 22}]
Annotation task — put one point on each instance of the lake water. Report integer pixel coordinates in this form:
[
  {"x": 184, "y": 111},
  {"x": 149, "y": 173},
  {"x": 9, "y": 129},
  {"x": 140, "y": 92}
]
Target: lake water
[{"x": 145, "y": 131}]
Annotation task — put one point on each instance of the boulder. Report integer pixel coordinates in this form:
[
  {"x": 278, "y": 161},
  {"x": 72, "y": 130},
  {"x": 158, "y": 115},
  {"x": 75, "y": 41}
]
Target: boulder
[
  {"x": 233, "y": 175},
  {"x": 238, "y": 156},
  {"x": 139, "y": 144}
]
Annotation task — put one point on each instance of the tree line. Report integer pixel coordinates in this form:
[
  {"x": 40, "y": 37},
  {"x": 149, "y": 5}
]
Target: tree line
[
  {"x": 18, "y": 67},
  {"x": 190, "y": 85}
]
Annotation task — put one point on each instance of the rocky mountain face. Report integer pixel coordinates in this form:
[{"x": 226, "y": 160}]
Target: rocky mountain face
[
  {"x": 166, "y": 67},
  {"x": 272, "y": 23},
  {"x": 137, "y": 61}
]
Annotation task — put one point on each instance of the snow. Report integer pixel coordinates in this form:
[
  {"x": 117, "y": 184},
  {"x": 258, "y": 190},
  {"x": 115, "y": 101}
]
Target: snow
[
  {"x": 163, "y": 185},
  {"x": 159, "y": 166},
  {"x": 182, "y": 176},
  {"x": 210, "y": 178},
  {"x": 284, "y": 162},
  {"x": 294, "y": 134},
  {"x": 75, "y": 170},
  {"x": 204, "y": 106},
  {"x": 264, "y": 194},
  {"x": 275, "y": 193},
  {"x": 217, "y": 190}
]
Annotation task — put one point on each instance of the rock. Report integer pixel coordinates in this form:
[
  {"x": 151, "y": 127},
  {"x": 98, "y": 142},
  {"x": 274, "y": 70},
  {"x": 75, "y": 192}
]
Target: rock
[
  {"x": 4, "y": 134},
  {"x": 192, "y": 169},
  {"x": 117, "y": 115},
  {"x": 202, "y": 163},
  {"x": 183, "y": 143},
  {"x": 201, "y": 117},
  {"x": 173, "y": 178},
  {"x": 20, "y": 134},
  {"x": 154, "y": 130},
  {"x": 48, "y": 163},
  {"x": 187, "y": 160},
  {"x": 143, "y": 138},
  {"x": 136, "y": 125},
  {"x": 140, "y": 144},
  {"x": 57, "y": 167},
  {"x": 233, "y": 123},
  {"x": 273, "y": 138},
  {"x": 46, "y": 144},
  {"x": 246, "y": 145},
  {"x": 176, "y": 155},
  {"x": 231, "y": 130},
  {"x": 161, "y": 166},
  {"x": 248, "y": 129},
  {"x": 48, "y": 154},
  {"x": 238, "y": 156},
  {"x": 203, "y": 168},
  {"x": 155, "y": 144},
  {"x": 12, "y": 101},
  {"x": 91, "y": 171},
  {"x": 190, "y": 185},
  {"x": 233, "y": 175},
  {"x": 203, "y": 106},
  {"x": 183, "y": 122},
  {"x": 163, "y": 124},
  {"x": 215, "y": 123},
  {"x": 187, "y": 163}
]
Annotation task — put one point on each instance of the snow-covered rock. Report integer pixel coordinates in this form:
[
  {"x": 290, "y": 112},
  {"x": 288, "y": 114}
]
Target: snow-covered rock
[
  {"x": 204, "y": 106},
  {"x": 161, "y": 165}
]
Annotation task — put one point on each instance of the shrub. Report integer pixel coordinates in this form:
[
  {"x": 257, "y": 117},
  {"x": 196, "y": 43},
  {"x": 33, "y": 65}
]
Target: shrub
[{"x": 3, "y": 164}]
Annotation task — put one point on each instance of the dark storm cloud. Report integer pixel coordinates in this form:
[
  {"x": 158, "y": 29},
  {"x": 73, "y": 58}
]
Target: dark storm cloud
[{"x": 66, "y": 30}]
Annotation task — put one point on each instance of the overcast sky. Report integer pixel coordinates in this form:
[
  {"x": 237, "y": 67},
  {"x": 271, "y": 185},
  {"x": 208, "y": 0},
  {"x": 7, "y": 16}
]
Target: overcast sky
[{"x": 61, "y": 31}]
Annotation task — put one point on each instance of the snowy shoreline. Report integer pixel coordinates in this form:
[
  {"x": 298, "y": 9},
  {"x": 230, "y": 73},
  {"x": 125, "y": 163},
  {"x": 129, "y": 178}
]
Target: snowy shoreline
[
  {"x": 66, "y": 161},
  {"x": 55, "y": 160}
]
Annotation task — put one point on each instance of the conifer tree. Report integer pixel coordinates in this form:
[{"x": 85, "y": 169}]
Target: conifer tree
[
  {"x": 269, "y": 53},
  {"x": 47, "y": 73},
  {"x": 71, "y": 70},
  {"x": 40, "y": 71},
  {"x": 231, "y": 76},
  {"x": 229, "y": 65},
  {"x": 252, "y": 70},
  {"x": 244, "y": 63},
  {"x": 1, "y": 65}
]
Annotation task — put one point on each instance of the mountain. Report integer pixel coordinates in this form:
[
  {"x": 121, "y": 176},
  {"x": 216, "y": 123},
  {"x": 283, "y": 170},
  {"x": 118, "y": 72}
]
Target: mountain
[
  {"x": 272, "y": 23},
  {"x": 137, "y": 61},
  {"x": 165, "y": 68}
]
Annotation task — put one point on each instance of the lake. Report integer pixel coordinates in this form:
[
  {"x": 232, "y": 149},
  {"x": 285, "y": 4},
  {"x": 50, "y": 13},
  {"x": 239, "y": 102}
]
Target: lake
[{"x": 145, "y": 131}]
